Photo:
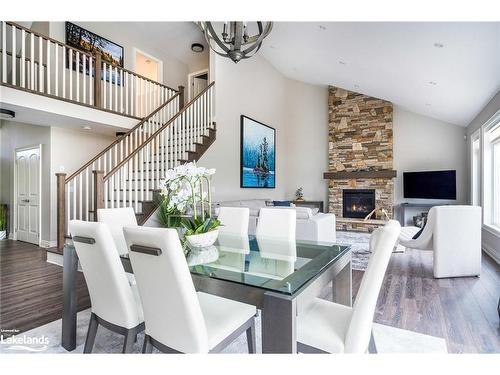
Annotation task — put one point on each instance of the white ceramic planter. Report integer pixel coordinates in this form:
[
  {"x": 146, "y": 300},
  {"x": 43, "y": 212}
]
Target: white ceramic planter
[
  {"x": 3, "y": 234},
  {"x": 203, "y": 239},
  {"x": 202, "y": 255}
]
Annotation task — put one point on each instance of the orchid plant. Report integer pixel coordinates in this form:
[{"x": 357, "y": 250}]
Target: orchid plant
[{"x": 184, "y": 189}]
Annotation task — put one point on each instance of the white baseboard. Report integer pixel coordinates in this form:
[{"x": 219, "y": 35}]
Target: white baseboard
[
  {"x": 54, "y": 258},
  {"x": 44, "y": 243},
  {"x": 491, "y": 252},
  {"x": 12, "y": 236}
]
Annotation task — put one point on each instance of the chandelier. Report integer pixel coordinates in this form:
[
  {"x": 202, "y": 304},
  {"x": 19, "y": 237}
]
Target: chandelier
[{"x": 234, "y": 41}]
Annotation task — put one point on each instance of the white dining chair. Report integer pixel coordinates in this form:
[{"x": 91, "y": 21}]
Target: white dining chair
[
  {"x": 278, "y": 223},
  {"x": 179, "y": 319},
  {"x": 327, "y": 327},
  {"x": 115, "y": 304},
  {"x": 234, "y": 220},
  {"x": 116, "y": 219}
]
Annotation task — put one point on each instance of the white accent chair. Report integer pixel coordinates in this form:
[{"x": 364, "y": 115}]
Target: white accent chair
[
  {"x": 116, "y": 219},
  {"x": 327, "y": 327},
  {"x": 178, "y": 319},
  {"x": 453, "y": 233},
  {"x": 276, "y": 223},
  {"x": 234, "y": 220},
  {"x": 115, "y": 303}
]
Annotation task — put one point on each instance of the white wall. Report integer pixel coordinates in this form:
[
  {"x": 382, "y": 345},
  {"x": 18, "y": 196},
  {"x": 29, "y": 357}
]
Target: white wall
[
  {"x": 16, "y": 135},
  {"x": 491, "y": 240},
  {"x": 70, "y": 149},
  {"x": 306, "y": 116},
  {"x": 422, "y": 143},
  {"x": 255, "y": 89}
]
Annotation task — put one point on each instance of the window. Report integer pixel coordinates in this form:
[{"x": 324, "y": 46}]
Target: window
[
  {"x": 476, "y": 169},
  {"x": 491, "y": 170}
]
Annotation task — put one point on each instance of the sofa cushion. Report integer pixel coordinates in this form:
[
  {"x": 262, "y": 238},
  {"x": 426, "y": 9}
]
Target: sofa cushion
[{"x": 282, "y": 203}]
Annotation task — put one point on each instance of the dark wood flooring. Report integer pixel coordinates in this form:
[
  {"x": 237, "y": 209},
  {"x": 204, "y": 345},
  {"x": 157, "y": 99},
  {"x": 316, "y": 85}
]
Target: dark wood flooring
[
  {"x": 31, "y": 288},
  {"x": 463, "y": 311}
]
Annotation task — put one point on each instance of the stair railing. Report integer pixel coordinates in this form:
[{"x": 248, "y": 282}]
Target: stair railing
[
  {"x": 77, "y": 194},
  {"x": 35, "y": 63},
  {"x": 135, "y": 178}
]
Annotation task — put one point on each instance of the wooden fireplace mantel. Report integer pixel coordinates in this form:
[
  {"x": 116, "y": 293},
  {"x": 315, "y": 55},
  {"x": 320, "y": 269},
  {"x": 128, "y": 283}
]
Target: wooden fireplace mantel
[{"x": 345, "y": 175}]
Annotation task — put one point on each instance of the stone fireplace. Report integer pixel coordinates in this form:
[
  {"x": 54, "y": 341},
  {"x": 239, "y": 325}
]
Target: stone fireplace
[
  {"x": 360, "y": 153},
  {"x": 357, "y": 203}
]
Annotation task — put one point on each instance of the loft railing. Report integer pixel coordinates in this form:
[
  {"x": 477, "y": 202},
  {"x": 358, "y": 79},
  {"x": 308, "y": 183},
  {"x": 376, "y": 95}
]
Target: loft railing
[
  {"x": 76, "y": 195},
  {"x": 36, "y": 63}
]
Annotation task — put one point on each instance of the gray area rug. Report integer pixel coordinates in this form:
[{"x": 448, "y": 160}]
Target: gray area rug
[
  {"x": 359, "y": 242},
  {"x": 387, "y": 340}
]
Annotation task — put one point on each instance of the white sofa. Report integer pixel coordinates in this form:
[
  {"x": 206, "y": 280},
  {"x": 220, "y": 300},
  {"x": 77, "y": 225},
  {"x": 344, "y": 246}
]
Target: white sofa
[
  {"x": 453, "y": 233},
  {"x": 311, "y": 225}
]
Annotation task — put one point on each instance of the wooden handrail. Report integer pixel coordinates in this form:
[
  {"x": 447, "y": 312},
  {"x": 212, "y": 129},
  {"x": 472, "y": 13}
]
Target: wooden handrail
[
  {"x": 153, "y": 136},
  {"x": 120, "y": 139},
  {"x": 90, "y": 55}
]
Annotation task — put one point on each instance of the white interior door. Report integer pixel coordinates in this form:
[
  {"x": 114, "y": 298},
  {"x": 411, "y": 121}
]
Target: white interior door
[
  {"x": 28, "y": 195},
  {"x": 197, "y": 83}
]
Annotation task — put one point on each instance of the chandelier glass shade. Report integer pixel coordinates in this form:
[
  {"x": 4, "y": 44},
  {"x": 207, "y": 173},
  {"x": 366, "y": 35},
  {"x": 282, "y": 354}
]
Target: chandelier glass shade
[{"x": 234, "y": 41}]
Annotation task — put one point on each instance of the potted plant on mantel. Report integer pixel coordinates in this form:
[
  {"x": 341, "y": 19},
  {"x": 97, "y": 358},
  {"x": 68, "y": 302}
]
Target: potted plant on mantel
[{"x": 186, "y": 195}]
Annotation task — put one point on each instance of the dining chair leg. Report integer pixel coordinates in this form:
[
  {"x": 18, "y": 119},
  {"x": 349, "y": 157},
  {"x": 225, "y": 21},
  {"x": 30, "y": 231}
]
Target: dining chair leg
[
  {"x": 91, "y": 333},
  {"x": 372, "y": 348},
  {"x": 128, "y": 345},
  {"x": 252, "y": 349},
  {"x": 147, "y": 348}
]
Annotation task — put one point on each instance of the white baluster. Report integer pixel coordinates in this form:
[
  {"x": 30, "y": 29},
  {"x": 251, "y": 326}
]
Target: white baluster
[
  {"x": 110, "y": 85},
  {"x": 122, "y": 83},
  {"x": 22, "y": 65},
  {"x": 77, "y": 76},
  {"x": 32, "y": 62},
  {"x": 131, "y": 185},
  {"x": 116, "y": 89},
  {"x": 126, "y": 82},
  {"x": 63, "y": 70},
  {"x": 86, "y": 78},
  {"x": 4, "y": 52},
  {"x": 14, "y": 55},
  {"x": 74, "y": 198},
  {"x": 141, "y": 167},
  {"x": 106, "y": 195},
  {"x": 80, "y": 196},
  {"x": 91, "y": 86},
  {"x": 87, "y": 187},
  {"x": 104, "y": 83}
]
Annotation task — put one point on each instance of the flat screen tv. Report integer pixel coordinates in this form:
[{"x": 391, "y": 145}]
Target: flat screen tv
[{"x": 430, "y": 184}]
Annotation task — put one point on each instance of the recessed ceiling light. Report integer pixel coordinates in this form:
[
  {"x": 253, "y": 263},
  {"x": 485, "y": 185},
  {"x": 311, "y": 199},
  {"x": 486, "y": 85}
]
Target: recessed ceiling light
[
  {"x": 438, "y": 45},
  {"x": 341, "y": 62},
  {"x": 428, "y": 104},
  {"x": 321, "y": 27},
  {"x": 197, "y": 47},
  {"x": 86, "y": 128},
  {"x": 432, "y": 83},
  {"x": 272, "y": 47},
  {"x": 7, "y": 113}
]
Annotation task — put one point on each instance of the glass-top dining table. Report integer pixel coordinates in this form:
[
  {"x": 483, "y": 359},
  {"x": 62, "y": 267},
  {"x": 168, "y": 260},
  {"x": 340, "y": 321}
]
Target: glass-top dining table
[{"x": 278, "y": 277}]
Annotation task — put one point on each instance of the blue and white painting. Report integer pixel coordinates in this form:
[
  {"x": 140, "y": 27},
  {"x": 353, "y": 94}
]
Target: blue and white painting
[{"x": 258, "y": 160}]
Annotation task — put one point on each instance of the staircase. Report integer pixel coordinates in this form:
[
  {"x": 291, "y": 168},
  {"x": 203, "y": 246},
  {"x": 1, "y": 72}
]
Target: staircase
[{"x": 128, "y": 172}]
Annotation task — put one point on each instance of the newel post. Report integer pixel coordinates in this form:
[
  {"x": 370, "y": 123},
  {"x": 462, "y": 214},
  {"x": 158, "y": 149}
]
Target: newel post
[
  {"x": 181, "y": 97},
  {"x": 98, "y": 191},
  {"x": 61, "y": 209},
  {"x": 97, "y": 81}
]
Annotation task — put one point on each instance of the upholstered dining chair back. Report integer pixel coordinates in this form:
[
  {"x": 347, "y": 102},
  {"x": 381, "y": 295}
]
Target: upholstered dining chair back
[
  {"x": 278, "y": 223},
  {"x": 172, "y": 311},
  {"x": 360, "y": 326},
  {"x": 234, "y": 220},
  {"x": 111, "y": 296},
  {"x": 116, "y": 219}
]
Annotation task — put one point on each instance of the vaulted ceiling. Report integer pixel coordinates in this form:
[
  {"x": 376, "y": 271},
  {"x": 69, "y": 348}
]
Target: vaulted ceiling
[{"x": 448, "y": 71}]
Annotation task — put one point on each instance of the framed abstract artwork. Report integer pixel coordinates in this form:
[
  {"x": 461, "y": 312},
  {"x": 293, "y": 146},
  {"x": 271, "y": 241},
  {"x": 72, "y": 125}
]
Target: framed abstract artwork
[
  {"x": 94, "y": 44},
  {"x": 258, "y": 154}
]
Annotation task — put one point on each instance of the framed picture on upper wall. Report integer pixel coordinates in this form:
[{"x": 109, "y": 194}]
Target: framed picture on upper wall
[
  {"x": 87, "y": 41},
  {"x": 258, "y": 154}
]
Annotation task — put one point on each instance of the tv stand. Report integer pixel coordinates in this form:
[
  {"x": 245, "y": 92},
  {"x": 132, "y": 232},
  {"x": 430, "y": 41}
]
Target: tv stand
[{"x": 404, "y": 206}]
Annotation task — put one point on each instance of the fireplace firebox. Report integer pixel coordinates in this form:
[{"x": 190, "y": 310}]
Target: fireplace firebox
[{"x": 357, "y": 203}]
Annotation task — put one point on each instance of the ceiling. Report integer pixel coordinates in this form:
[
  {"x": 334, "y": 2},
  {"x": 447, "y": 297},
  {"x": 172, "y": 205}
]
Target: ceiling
[{"x": 448, "y": 71}]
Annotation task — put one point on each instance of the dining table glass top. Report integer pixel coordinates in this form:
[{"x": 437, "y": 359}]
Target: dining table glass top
[{"x": 265, "y": 262}]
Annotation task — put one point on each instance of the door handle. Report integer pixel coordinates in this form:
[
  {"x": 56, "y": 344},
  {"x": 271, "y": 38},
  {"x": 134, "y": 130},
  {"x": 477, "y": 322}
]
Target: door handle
[{"x": 25, "y": 200}]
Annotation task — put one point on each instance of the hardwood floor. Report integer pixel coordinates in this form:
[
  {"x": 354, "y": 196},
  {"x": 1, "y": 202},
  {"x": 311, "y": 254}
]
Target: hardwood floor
[
  {"x": 31, "y": 288},
  {"x": 463, "y": 311}
]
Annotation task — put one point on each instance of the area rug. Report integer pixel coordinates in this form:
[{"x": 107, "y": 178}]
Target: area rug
[
  {"x": 387, "y": 340},
  {"x": 359, "y": 242}
]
